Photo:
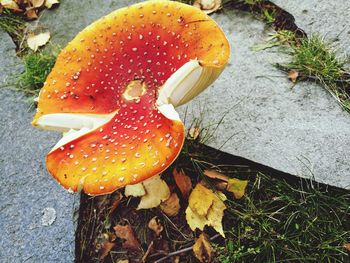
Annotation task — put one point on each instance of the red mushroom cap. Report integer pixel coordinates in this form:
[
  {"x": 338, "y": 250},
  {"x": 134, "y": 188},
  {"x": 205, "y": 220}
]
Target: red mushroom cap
[{"x": 104, "y": 88}]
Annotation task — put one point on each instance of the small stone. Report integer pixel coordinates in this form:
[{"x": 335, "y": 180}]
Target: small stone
[{"x": 49, "y": 216}]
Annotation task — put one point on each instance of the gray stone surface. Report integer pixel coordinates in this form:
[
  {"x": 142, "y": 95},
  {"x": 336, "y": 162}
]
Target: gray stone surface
[
  {"x": 330, "y": 18},
  {"x": 29, "y": 196},
  {"x": 301, "y": 131},
  {"x": 74, "y": 16}
]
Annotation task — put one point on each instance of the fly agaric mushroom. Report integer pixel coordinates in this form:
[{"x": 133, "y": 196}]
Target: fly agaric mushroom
[{"x": 113, "y": 90}]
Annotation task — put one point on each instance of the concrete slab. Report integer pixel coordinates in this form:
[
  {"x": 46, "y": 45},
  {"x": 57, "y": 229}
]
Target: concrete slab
[
  {"x": 36, "y": 215},
  {"x": 74, "y": 16},
  {"x": 301, "y": 131},
  {"x": 330, "y": 18}
]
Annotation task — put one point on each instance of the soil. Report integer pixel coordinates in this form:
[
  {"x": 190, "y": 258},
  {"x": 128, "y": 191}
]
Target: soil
[{"x": 98, "y": 215}]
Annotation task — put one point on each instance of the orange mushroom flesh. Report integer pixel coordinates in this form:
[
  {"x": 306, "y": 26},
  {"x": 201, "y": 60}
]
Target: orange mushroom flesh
[{"x": 113, "y": 89}]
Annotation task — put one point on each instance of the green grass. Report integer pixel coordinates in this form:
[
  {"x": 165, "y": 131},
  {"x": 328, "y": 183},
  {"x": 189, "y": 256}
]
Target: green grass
[
  {"x": 279, "y": 221},
  {"x": 15, "y": 26},
  {"x": 316, "y": 59},
  {"x": 37, "y": 67}
]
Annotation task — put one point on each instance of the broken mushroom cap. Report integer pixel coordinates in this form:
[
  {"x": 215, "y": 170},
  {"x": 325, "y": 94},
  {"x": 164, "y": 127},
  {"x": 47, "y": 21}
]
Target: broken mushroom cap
[{"x": 113, "y": 90}]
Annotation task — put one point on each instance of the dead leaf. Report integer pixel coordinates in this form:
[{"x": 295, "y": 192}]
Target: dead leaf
[
  {"x": 293, "y": 75},
  {"x": 205, "y": 209},
  {"x": 193, "y": 133},
  {"x": 106, "y": 248},
  {"x": 220, "y": 185},
  {"x": 116, "y": 202},
  {"x": 201, "y": 199},
  {"x": 237, "y": 187},
  {"x": 183, "y": 182},
  {"x": 216, "y": 175},
  {"x": 50, "y": 3},
  {"x": 31, "y": 13},
  {"x": 208, "y": 6},
  {"x": 347, "y": 247},
  {"x": 37, "y": 3},
  {"x": 128, "y": 235},
  {"x": 123, "y": 261},
  {"x": 156, "y": 191},
  {"x": 136, "y": 190},
  {"x": 36, "y": 41},
  {"x": 10, "y": 4},
  {"x": 155, "y": 225},
  {"x": 203, "y": 250},
  {"x": 171, "y": 206}
]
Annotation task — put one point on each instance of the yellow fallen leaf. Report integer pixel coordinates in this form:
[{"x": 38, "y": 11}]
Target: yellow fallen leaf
[
  {"x": 171, "y": 206},
  {"x": 135, "y": 190},
  {"x": 237, "y": 187},
  {"x": 10, "y": 4},
  {"x": 203, "y": 250},
  {"x": 50, "y": 3},
  {"x": 201, "y": 199},
  {"x": 205, "y": 209},
  {"x": 36, "y": 41},
  {"x": 156, "y": 191},
  {"x": 37, "y": 3}
]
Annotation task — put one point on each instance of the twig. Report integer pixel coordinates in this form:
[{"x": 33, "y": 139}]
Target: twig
[
  {"x": 147, "y": 252},
  {"x": 178, "y": 252}
]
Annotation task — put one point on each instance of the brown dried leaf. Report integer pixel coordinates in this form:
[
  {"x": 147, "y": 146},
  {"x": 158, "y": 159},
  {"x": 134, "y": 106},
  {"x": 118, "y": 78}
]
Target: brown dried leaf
[
  {"x": 106, "y": 248},
  {"x": 216, "y": 175},
  {"x": 171, "y": 206},
  {"x": 293, "y": 75},
  {"x": 155, "y": 225},
  {"x": 31, "y": 13},
  {"x": 50, "y": 3},
  {"x": 237, "y": 187},
  {"x": 128, "y": 235},
  {"x": 183, "y": 182},
  {"x": 203, "y": 250},
  {"x": 208, "y": 6},
  {"x": 116, "y": 202},
  {"x": 220, "y": 185},
  {"x": 347, "y": 247}
]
